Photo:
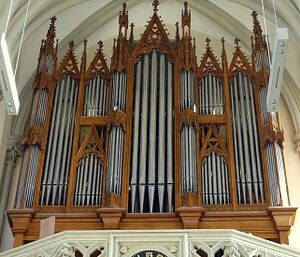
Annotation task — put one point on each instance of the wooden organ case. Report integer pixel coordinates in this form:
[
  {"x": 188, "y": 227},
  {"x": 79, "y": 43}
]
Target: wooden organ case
[{"x": 155, "y": 141}]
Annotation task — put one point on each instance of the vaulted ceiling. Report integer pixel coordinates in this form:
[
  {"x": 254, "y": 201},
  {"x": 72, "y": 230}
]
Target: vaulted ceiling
[{"x": 98, "y": 20}]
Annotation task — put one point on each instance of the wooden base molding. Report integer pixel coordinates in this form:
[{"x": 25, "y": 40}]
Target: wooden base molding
[
  {"x": 111, "y": 217},
  {"x": 190, "y": 217},
  {"x": 20, "y": 220},
  {"x": 273, "y": 224},
  {"x": 283, "y": 218}
]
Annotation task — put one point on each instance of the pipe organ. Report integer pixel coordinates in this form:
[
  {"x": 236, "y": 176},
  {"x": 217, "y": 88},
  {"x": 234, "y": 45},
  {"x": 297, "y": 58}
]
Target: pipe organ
[{"x": 155, "y": 137}]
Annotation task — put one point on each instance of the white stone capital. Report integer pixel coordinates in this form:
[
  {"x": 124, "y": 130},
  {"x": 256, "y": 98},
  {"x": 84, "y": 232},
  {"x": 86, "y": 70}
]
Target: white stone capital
[
  {"x": 14, "y": 149},
  {"x": 297, "y": 142}
]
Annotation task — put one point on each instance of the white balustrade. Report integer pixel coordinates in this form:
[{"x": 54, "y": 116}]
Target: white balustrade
[{"x": 154, "y": 243}]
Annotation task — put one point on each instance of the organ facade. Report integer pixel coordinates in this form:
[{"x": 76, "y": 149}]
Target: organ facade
[{"x": 155, "y": 138}]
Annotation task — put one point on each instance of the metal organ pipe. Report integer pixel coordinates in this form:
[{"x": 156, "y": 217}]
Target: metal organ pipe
[
  {"x": 116, "y": 136},
  {"x": 54, "y": 184},
  {"x": 211, "y": 99},
  {"x": 214, "y": 170},
  {"x": 246, "y": 141},
  {"x": 95, "y": 101},
  {"x": 88, "y": 189},
  {"x": 152, "y": 174},
  {"x": 277, "y": 183},
  {"x": 136, "y": 124},
  {"x": 188, "y": 136},
  {"x": 144, "y": 124}
]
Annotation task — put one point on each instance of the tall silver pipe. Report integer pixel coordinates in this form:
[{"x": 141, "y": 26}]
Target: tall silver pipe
[
  {"x": 195, "y": 177},
  {"x": 170, "y": 136},
  {"x": 49, "y": 147},
  {"x": 152, "y": 132},
  {"x": 256, "y": 142},
  {"x": 237, "y": 166},
  {"x": 239, "y": 139},
  {"x": 219, "y": 179},
  {"x": 245, "y": 136},
  {"x": 136, "y": 124},
  {"x": 214, "y": 177},
  {"x": 121, "y": 161},
  {"x": 98, "y": 95},
  {"x": 116, "y": 160},
  {"x": 93, "y": 180},
  {"x": 70, "y": 143},
  {"x": 23, "y": 174},
  {"x": 251, "y": 129},
  {"x": 48, "y": 171},
  {"x": 61, "y": 138},
  {"x": 183, "y": 168},
  {"x": 162, "y": 134},
  {"x": 66, "y": 141},
  {"x": 144, "y": 124},
  {"x": 109, "y": 163},
  {"x": 105, "y": 98}
]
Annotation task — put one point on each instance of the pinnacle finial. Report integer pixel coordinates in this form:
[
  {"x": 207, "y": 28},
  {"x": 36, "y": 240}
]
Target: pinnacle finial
[
  {"x": 71, "y": 45},
  {"x": 155, "y": 5},
  {"x": 237, "y": 42},
  {"x": 100, "y": 45},
  {"x": 51, "y": 33},
  {"x": 124, "y": 8},
  {"x": 186, "y": 5},
  {"x": 207, "y": 43}
]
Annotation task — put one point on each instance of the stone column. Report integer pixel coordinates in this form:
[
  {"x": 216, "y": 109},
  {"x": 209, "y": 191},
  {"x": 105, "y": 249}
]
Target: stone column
[{"x": 13, "y": 152}]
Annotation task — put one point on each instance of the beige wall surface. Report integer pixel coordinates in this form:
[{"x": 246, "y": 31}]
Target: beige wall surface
[{"x": 292, "y": 164}]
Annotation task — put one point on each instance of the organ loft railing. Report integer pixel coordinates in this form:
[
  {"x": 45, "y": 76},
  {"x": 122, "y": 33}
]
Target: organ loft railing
[{"x": 155, "y": 138}]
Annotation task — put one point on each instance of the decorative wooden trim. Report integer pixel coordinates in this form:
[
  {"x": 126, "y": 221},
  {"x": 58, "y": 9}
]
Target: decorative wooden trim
[
  {"x": 51, "y": 85},
  {"x": 229, "y": 129},
  {"x": 19, "y": 220},
  {"x": 240, "y": 63},
  {"x": 111, "y": 217},
  {"x": 80, "y": 103},
  {"x": 283, "y": 218},
  {"x": 190, "y": 217},
  {"x": 209, "y": 64},
  {"x": 154, "y": 37},
  {"x": 34, "y": 136}
]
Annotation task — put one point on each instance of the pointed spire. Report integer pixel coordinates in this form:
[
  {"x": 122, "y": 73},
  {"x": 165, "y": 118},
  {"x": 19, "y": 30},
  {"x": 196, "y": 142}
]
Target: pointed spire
[
  {"x": 155, "y": 5},
  {"x": 260, "y": 43},
  {"x": 177, "y": 32},
  {"x": 49, "y": 42},
  {"x": 224, "y": 56},
  {"x": 83, "y": 58},
  {"x": 186, "y": 19},
  {"x": 123, "y": 21},
  {"x": 131, "y": 38}
]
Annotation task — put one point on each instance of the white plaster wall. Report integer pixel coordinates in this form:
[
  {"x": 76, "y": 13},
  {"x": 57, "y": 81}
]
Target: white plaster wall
[{"x": 292, "y": 164}]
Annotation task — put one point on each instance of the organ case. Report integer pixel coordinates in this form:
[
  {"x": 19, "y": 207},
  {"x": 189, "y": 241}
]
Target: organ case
[{"x": 155, "y": 137}]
